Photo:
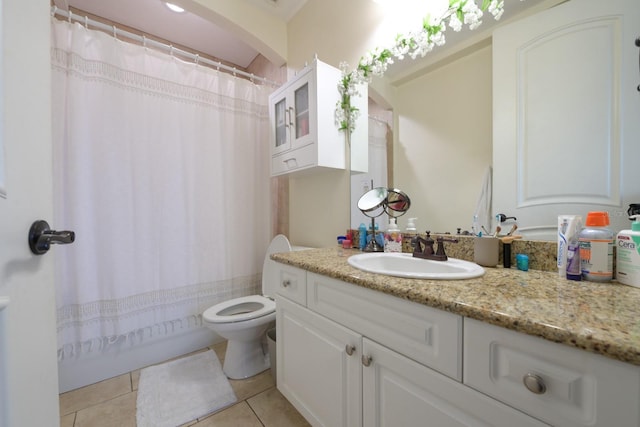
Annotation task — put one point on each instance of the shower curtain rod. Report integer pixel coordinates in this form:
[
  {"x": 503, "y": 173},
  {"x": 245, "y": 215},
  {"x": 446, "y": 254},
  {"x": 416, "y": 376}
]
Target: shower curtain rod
[{"x": 156, "y": 44}]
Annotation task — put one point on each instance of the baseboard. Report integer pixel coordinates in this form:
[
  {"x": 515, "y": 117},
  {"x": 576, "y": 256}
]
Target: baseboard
[{"x": 92, "y": 368}]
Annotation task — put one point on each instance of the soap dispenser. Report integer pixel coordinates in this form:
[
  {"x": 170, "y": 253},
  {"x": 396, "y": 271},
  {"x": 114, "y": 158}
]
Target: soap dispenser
[
  {"x": 411, "y": 225},
  {"x": 392, "y": 237}
]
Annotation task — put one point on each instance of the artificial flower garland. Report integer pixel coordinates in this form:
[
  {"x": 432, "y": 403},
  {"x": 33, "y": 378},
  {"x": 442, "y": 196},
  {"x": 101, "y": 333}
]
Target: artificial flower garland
[{"x": 414, "y": 44}]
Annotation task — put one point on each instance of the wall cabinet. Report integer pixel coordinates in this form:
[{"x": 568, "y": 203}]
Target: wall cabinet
[
  {"x": 349, "y": 356},
  {"x": 304, "y": 136}
]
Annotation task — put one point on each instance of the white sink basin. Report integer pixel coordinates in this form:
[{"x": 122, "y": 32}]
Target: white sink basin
[{"x": 405, "y": 265}]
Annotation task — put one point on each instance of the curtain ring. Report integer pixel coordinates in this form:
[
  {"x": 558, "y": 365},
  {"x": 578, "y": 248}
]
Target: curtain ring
[
  {"x": 171, "y": 49},
  {"x": 86, "y": 22},
  {"x": 144, "y": 41},
  {"x": 54, "y": 9},
  {"x": 70, "y": 15},
  {"x": 197, "y": 58},
  {"x": 115, "y": 32}
]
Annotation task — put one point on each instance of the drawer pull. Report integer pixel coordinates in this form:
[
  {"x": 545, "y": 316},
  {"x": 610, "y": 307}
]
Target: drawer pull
[
  {"x": 286, "y": 283},
  {"x": 366, "y": 360},
  {"x": 349, "y": 349},
  {"x": 534, "y": 383}
]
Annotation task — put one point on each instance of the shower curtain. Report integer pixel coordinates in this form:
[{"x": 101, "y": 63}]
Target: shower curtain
[
  {"x": 161, "y": 167},
  {"x": 378, "y": 171}
]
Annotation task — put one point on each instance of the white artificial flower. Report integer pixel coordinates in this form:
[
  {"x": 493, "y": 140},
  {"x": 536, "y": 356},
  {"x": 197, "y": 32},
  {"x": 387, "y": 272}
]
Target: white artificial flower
[
  {"x": 455, "y": 23},
  {"x": 496, "y": 8},
  {"x": 472, "y": 14}
]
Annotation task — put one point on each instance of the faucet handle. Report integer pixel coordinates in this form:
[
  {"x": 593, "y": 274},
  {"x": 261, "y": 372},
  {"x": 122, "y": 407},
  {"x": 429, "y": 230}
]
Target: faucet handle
[{"x": 440, "y": 250}]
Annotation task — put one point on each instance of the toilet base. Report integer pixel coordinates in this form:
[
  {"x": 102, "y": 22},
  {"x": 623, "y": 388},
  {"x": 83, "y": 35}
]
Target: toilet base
[{"x": 244, "y": 359}]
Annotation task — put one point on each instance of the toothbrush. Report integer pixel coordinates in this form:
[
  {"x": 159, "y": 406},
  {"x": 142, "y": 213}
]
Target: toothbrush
[
  {"x": 513, "y": 229},
  {"x": 498, "y": 229}
]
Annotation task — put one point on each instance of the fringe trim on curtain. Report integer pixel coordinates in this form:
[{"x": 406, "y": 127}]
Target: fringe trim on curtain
[
  {"x": 200, "y": 297},
  {"x": 133, "y": 338}
]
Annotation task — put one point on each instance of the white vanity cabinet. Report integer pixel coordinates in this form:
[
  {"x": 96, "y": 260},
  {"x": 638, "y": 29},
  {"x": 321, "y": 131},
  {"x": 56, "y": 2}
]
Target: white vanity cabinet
[
  {"x": 560, "y": 385},
  {"x": 352, "y": 357},
  {"x": 304, "y": 136}
]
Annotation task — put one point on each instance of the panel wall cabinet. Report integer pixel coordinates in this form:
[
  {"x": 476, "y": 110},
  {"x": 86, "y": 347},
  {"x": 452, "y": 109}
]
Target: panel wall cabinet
[
  {"x": 304, "y": 136},
  {"x": 339, "y": 366}
]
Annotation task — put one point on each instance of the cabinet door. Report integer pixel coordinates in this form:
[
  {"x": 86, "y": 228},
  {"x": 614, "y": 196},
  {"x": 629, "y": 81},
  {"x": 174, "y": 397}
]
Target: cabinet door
[
  {"x": 566, "y": 108},
  {"x": 281, "y": 124},
  {"x": 300, "y": 111},
  {"x": 316, "y": 373},
  {"x": 400, "y": 392}
]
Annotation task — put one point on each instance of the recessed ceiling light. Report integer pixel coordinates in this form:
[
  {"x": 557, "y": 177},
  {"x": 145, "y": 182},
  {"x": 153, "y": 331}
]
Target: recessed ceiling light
[{"x": 174, "y": 7}]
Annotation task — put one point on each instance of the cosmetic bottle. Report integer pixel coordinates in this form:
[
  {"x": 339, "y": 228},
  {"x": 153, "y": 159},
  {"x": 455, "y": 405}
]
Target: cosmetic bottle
[
  {"x": 392, "y": 237},
  {"x": 596, "y": 248},
  {"x": 628, "y": 254}
]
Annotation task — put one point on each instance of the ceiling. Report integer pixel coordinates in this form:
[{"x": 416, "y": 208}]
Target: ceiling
[{"x": 153, "y": 18}]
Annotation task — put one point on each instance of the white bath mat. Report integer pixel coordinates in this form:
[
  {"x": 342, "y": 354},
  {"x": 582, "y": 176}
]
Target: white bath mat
[{"x": 182, "y": 390}]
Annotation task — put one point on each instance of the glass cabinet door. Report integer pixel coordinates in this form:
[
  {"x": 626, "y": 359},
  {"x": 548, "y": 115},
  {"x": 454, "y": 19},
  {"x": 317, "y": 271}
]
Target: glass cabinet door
[
  {"x": 301, "y": 100},
  {"x": 281, "y": 125}
]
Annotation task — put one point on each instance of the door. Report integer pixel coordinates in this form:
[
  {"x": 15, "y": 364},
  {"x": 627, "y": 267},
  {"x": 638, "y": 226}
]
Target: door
[
  {"x": 566, "y": 114},
  {"x": 398, "y": 391},
  {"x": 319, "y": 368},
  {"x": 28, "y": 362}
]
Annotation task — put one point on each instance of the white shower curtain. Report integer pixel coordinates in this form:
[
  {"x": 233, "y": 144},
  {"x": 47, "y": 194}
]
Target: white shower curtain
[
  {"x": 161, "y": 167},
  {"x": 361, "y": 183}
]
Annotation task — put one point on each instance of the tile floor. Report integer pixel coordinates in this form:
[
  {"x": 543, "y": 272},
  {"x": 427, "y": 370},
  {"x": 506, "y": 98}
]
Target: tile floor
[{"x": 113, "y": 403}]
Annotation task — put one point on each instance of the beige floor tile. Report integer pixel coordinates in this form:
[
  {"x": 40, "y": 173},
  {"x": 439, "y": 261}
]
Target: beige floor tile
[
  {"x": 93, "y": 394},
  {"x": 68, "y": 420},
  {"x": 246, "y": 388},
  {"x": 120, "y": 412},
  {"x": 275, "y": 411},
  {"x": 239, "y": 415},
  {"x": 135, "y": 379},
  {"x": 220, "y": 350}
]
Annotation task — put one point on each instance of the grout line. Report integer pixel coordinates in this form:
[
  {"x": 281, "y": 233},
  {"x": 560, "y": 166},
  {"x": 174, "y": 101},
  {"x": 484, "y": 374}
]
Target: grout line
[{"x": 254, "y": 412}]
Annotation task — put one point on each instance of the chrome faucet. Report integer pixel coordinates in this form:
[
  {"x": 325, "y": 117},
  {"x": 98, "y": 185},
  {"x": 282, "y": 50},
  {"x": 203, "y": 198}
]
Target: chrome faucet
[{"x": 424, "y": 247}]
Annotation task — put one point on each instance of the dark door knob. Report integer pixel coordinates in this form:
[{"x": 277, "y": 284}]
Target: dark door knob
[{"x": 41, "y": 237}]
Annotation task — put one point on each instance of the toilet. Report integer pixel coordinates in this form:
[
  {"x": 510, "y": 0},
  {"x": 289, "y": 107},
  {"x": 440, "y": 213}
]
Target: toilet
[{"x": 244, "y": 321}]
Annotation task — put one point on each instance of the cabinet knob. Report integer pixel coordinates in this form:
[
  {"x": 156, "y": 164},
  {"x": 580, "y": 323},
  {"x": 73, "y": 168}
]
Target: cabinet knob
[
  {"x": 534, "y": 383},
  {"x": 366, "y": 360},
  {"x": 349, "y": 349},
  {"x": 286, "y": 283}
]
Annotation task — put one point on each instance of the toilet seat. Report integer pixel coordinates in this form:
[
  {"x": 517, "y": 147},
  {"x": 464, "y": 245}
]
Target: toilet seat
[{"x": 239, "y": 309}]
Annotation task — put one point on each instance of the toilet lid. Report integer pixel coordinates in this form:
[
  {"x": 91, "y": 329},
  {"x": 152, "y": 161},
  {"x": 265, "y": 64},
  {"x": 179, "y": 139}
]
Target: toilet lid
[
  {"x": 239, "y": 309},
  {"x": 269, "y": 271}
]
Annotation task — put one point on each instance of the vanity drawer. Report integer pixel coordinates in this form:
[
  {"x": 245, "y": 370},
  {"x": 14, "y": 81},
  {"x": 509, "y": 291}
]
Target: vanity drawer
[
  {"x": 429, "y": 336},
  {"x": 291, "y": 282},
  {"x": 571, "y": 387}
]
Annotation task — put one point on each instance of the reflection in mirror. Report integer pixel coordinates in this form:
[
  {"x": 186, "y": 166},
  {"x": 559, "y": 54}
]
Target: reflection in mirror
[
  {"x": 398, "y": 203},
  {"x": 380, "y": 156},
  {"x": 372, "y": 201}
]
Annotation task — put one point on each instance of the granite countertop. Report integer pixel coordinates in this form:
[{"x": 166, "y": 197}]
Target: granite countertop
[{"x": 597, "y": 317}]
